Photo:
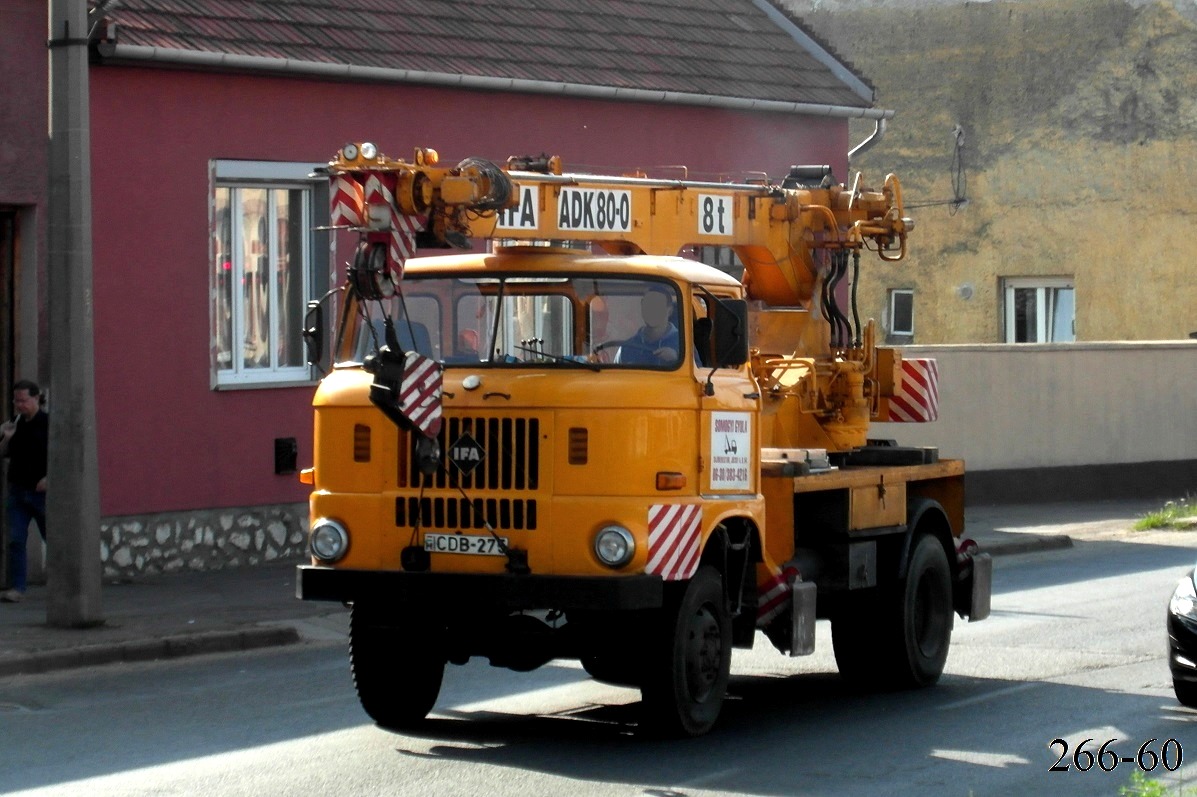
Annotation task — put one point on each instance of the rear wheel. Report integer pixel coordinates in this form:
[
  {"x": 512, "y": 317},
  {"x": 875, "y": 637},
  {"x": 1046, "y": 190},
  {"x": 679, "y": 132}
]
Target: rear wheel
[
  {"x": 899, "y": 637},
  {"x": 854, "y": 637},
  {"x": 689, "y": 668},
  {"x": 398, "y": 662},
  {"x": 918, "y": 658}
]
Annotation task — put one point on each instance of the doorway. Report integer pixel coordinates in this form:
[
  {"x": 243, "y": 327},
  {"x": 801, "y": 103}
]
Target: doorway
[{"x": 8, "y": 313}]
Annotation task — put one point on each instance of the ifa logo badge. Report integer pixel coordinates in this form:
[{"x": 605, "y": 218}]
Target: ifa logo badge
[{"x": 466, "y": 453}]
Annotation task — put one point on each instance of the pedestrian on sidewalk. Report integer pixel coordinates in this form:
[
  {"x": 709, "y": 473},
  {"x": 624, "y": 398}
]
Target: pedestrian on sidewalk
[{"x": 24, "y": 441}]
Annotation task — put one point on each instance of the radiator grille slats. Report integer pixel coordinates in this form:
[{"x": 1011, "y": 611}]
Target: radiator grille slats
[
  {"x": 510, "y": 463},
  {"x": 503, "y": 514},
  {"x": 510, "y": 459}
]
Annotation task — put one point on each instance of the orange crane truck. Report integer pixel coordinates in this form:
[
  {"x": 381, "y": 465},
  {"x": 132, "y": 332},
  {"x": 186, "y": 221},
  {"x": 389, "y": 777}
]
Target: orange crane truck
[{"x": 579, "y": 444}]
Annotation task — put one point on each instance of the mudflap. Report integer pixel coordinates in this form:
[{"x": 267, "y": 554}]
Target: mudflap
[
  {"x": 802, "y": 618},
  {"x": 981, "y": 591}
]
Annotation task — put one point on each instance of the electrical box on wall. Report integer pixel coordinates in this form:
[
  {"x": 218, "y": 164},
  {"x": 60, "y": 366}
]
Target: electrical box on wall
[{"x": 286, "y": 455}]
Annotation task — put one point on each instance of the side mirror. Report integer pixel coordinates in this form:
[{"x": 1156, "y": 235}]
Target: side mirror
[
  {"x": 729, "y": 332},
  {"x": 313, "y": 332}
]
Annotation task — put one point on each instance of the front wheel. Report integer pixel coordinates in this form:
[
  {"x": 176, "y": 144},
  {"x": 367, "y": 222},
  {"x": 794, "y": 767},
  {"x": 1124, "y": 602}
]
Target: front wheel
[
  {"x": 398, "y": 662},
  {"x": 691, "y": 663}
]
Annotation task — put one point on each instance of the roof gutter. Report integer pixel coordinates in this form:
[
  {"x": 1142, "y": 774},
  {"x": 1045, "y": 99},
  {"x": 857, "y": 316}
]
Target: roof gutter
[
  {"x": 867, "y": 144},
  {"x": 201, "y": 59}
]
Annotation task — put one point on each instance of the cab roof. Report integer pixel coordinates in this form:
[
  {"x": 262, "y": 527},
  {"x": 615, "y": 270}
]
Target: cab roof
[{"x": 548, "y": 262}]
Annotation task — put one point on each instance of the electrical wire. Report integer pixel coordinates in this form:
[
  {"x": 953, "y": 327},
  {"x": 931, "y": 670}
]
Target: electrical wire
[
  {"x": 501, "y": 187},
  {"x": 959, "y": 178}
]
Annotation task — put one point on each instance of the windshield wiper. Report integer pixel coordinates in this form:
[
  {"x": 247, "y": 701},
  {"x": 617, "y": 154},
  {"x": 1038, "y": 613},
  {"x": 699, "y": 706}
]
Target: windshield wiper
[{"x": 557, "y": 358}]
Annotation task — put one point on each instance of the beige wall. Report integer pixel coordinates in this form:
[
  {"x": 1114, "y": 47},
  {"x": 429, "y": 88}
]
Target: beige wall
[
  {"x": 1043, "y": 406},
  {"x": 1080, "y": 120}
]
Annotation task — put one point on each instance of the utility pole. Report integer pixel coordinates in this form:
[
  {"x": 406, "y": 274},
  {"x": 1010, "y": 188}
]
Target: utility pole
[{"x": 73, "y": 491}]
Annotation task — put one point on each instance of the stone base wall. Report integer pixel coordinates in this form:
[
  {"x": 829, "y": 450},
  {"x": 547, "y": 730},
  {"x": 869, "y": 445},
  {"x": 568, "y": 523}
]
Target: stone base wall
[{"x": 202, "y": 539}]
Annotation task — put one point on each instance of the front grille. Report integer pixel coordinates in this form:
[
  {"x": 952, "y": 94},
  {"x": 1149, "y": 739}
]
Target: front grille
[
  {"x": 503, "y": 514},
  {"x": 492, "y": 455},
  {"x": 509, "y": 458}
]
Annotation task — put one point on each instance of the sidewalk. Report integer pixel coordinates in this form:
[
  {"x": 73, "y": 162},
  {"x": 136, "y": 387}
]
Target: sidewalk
[
  {"x": 184, "y": 614},
  {"x": 168, "y": 616}
]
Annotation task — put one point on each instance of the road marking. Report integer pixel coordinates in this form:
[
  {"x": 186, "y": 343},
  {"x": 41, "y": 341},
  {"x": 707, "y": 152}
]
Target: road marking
[
  {"x": 710, "y": 776},
  {"x": 981, "y": 757}
]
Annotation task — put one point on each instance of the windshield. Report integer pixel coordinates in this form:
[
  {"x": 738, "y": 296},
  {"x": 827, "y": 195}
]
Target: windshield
[{"x": 589, "y": 321}]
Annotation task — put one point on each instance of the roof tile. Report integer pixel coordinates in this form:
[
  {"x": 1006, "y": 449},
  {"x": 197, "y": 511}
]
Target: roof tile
[{"x": 717, "y": 47}]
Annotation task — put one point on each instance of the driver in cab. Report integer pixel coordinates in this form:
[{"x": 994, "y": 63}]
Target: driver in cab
[{"x": 656, "y": 342}]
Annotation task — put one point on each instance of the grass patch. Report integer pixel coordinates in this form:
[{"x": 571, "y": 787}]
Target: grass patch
[
  {"x": 1142, "y": 786},
  {"x": 1180, "y": 514}
]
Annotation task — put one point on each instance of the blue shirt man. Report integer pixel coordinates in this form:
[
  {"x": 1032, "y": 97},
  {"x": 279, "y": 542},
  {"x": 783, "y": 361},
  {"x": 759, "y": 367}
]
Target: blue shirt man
[{"x": 655, "y": 343}]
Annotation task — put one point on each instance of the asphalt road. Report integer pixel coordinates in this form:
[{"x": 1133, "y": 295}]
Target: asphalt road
[{"x": 1074, "y": 651}]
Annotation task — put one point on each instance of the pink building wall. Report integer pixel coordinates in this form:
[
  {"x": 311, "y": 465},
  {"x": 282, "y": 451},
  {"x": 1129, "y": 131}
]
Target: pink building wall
[
  {"x": 24, "y": 185},
  {"x": 167, "y": 441},
  {"x": 23, "y": 102}
]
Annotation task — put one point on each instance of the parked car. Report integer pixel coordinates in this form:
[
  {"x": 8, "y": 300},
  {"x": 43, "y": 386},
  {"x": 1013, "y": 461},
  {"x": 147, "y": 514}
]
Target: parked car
[{"x": 1182, "y": 640}]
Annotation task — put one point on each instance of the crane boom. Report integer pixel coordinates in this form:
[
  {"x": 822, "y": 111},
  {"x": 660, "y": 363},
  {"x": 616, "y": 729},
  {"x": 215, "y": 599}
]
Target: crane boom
[{"x": 776, "y": 230}]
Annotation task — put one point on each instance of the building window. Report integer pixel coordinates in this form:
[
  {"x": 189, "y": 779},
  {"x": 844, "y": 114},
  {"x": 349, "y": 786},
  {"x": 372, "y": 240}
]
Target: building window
[
  {"x": 264, "y": 258},
  {"x": 901, "y": 312},
  {"x": 723, "y": 258},
  {"x": 1040, "y": 310}
]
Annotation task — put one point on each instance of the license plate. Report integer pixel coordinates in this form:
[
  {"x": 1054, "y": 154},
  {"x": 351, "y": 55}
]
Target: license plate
[{"x": 476, "y": 545}]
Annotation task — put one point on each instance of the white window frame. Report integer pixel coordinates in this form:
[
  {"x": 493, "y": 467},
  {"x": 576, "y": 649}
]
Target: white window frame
[
  {"x": 893, "y": 311},
  {"x": 1044, "y": 322},
  {"x": 239, "y": 174}
]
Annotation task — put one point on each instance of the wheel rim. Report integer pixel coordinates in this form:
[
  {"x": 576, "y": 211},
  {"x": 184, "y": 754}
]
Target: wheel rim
[{"x": 704, "y": 653}]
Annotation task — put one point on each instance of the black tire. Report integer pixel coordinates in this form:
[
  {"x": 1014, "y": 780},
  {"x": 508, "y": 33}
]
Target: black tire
[
  {"x": 615, "y": 669},
  {"x": 855, "y": 632},
  {"x": 926, "y": 623},
  {"x": 398, "y": 663},
  {"x": 689, "y": 666},
  {"x": 1186, "y": 692},
  {"x": 901, "y": 638}
]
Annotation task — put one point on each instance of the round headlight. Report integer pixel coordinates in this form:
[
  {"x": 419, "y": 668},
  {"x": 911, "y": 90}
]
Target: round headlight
[
  {"x": 349, "y": 152},
  {"x": 329, "y": 540},
  {"x": 369, "y": 151},
  {"x": 614, "y": 546}
]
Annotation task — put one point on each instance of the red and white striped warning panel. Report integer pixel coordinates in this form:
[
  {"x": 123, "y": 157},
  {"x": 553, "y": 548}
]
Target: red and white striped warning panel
[
  {"x": 380, "y": 190},
  {"x": 916, "y": 398},
  {"x": 348, "y": 202},
  {"x": 773, "y": 596},
  {"x": 674, "y": 532},
  {"x": 420, "y": 396}
]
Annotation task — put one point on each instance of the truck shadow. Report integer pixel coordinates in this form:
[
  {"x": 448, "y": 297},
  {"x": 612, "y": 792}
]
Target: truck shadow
[{"x": 812, "y": 733}]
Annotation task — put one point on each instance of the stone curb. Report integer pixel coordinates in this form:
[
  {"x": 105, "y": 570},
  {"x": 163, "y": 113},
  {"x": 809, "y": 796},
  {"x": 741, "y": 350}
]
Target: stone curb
[
  {"x": 171, "y": 647},
  {"x": 1031, "y": 544}
]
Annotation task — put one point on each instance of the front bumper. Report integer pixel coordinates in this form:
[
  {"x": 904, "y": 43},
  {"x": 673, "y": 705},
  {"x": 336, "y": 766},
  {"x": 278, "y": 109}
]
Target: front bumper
[{"x": 501, "y": 590}]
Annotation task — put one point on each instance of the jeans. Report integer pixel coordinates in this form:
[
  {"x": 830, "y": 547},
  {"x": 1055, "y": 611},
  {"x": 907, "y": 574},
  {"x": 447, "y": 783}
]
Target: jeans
[{"x": 23, "y": 506}]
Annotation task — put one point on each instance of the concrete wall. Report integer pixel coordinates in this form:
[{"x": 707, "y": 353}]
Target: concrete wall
[{"x": 1086, "y": 420}]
